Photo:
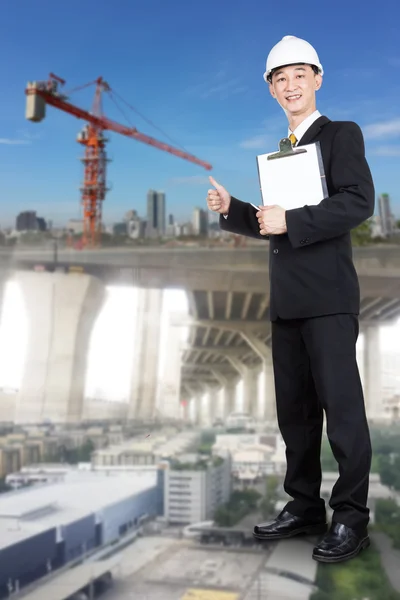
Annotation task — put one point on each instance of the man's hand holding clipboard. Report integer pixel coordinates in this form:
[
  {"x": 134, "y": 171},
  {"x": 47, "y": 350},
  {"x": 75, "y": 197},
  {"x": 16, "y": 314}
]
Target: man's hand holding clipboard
[{"x": 272, "y": 220}]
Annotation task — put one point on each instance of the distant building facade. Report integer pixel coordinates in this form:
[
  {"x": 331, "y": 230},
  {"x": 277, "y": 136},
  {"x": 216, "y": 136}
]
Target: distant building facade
[
  {"x": 29, "y": 221},
  {"x": 155, "y": 214},
  {"x": 195, "y": 488},
  {"x": 200, "y": 221},
  {"x": 387, "y": 220}
]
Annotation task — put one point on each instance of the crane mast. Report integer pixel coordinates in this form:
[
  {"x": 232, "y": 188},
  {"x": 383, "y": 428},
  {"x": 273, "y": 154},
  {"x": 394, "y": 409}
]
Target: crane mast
[
  {"x": 94, "y": 140},
  {"x": 94, "y": 188}
]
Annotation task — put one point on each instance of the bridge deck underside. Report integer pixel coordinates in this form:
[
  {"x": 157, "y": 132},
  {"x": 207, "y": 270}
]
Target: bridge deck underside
[
  {"x": 228, "y": 292},
  {"x": 219, "y": 318}
]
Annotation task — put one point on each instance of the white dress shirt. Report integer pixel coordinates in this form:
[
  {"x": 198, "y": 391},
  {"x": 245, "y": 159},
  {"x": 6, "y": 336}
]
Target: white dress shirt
[{"x": 304, "y": 125}]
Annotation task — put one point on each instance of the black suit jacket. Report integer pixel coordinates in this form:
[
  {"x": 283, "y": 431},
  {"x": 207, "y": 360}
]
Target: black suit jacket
[{"x": 311, "y": 268}]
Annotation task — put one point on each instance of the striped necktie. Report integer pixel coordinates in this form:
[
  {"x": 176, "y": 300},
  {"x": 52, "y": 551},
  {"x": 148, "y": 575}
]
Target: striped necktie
[{"x": 293, "y": 139}]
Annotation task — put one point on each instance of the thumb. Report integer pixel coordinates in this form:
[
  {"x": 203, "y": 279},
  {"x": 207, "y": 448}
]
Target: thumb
[{"x": 217, "y": 185}]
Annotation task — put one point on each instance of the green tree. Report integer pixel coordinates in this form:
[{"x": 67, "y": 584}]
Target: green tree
[
  {"x": 206, "y": 442},
  {"x": 363, "y": 577},
  {"x": 241, "y": 503},
  {"x": 361, "y": 235},
  {"x": 389, "y": 471},
  {"x": 85, "y": 451},
  {"x": 328, "y": 461},
  {"x": 223, "y": 517},
  {"x": 387, "y": 516},
  {"x": 267, "y": 504}
]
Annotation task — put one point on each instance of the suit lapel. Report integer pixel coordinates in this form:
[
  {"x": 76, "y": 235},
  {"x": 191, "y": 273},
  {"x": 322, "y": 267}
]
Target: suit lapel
[{"x": 313, "y": 131}]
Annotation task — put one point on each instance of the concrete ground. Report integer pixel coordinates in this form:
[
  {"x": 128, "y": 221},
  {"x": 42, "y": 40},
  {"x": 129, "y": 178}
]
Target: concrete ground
[{"x": 156, "y": 568}]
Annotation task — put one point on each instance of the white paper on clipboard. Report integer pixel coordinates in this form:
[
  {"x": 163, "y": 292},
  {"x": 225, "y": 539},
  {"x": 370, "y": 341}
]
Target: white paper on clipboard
[{"x": 293, "y": 180}]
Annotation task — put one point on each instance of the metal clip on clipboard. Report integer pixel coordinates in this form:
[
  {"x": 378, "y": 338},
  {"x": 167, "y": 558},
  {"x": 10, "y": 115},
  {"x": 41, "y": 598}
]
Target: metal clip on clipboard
[
  {"x": 293, "y": 183},
  {"x": 286, "y": 149}
]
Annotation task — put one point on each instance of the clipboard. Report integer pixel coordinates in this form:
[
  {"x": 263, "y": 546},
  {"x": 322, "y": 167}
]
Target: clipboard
[{"x": 292, "y": 177}]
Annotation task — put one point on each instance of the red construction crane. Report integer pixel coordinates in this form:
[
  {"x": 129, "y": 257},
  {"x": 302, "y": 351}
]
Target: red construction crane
[{"x": 92, "y": 137}]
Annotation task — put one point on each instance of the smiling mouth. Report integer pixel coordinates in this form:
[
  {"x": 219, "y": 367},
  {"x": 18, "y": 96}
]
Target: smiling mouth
[{"x": 294, "y": 97}]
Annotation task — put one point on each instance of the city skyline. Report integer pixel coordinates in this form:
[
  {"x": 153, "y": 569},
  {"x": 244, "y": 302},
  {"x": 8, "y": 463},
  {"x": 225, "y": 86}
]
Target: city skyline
[{"x": 213, "y": 102}]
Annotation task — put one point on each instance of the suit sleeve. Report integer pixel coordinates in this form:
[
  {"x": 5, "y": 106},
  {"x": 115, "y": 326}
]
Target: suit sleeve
[
  {"x": 242, "y": 220},
  {"x": 352, "y": 202}
]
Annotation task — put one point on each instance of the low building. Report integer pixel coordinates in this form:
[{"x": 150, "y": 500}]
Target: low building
[
  {"x": 253, "y": 462},
  {"x": 45, "y": 527},
  {"x": 147, "y": 451},
  {"x": 38, "y": 474},
  {"x": 75, "y": 226},
  {"x": 254, "y": 455},
  {"x": 241, "y": 421},
  {"x": 195, "y": 487}
]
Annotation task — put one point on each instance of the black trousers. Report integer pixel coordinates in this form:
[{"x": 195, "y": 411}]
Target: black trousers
[{"x": 315, "y": 370}]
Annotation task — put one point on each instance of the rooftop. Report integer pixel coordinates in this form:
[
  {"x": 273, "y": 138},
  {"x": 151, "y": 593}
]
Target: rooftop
[
  {"x": 29, "y": 511},
  {"x": 160, "y": 444}
]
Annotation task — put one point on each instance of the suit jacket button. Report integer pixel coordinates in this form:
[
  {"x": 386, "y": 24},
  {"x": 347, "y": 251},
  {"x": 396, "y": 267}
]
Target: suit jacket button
[{"x": 276, "y": 251}]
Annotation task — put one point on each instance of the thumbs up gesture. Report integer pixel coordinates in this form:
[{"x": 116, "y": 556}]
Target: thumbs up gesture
[{"x": 218, "y": 200}]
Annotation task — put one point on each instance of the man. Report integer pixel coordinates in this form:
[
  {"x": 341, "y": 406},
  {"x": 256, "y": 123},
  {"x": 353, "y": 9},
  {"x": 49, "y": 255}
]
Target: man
[{"x": 314, "y": 307}]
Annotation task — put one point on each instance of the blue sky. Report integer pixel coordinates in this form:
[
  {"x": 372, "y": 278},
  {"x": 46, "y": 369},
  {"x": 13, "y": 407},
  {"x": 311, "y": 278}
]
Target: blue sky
[{"x": 195, "y": 69}]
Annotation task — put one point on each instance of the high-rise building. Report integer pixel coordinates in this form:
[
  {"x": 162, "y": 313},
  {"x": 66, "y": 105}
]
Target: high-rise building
[
  {"x": 200, "y": 221},
  {"x": 171, "y": 220},
  {"x": 386, "y": 216},
  {"x": 155, "y": 213},
  {"x": 41, "y": 224},
  {"x": 29, "y": 221}
]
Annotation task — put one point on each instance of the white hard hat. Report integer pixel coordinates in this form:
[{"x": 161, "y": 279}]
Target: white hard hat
[{"x": 291, "y": 50}]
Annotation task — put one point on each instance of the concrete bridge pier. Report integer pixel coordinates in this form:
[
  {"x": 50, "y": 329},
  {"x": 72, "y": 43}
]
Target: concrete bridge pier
[
  {"x": 170, "y": 372},
  {"x": 145, "y": 369},
  {"x": 221, "y": 411},
  {"x": 373, "y": 393},
  {"x": 204, "y": 408},
  {"x": 230, "y": 398},
  {"x": 250, "y": 385},
  {"x": 61, "y": 310},
  {"x": 195, "y": 411},
  {"x": 268, "y": 407},
  {"x": 213, "y": 404},
  {"x": 194, "y": 404}
]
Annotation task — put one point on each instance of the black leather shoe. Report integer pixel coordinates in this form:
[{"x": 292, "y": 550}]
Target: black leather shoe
[
  {"x": 340, "y": 543},
  {"x": 287, "y": 525}
]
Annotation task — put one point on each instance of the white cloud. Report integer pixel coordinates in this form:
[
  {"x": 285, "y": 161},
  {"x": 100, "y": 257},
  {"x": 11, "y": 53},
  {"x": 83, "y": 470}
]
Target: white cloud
[
  {"x": 365, "y": 73},
  {"x": 382, "y": 129},
  {"x": 14, "y": 142},
  {"x": 190, "y": 180},
  {"x": 220, "y": 85},
  {"x": 23, "y": 138},
  {"x": 255, "y": 143},
  {"x": 266, "y": 137},
  {"x": 386, "y": 151}
]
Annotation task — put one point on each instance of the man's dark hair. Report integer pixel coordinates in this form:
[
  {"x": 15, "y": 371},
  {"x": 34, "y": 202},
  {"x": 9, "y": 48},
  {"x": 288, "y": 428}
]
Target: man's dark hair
[{"x": 269, "y": 78}]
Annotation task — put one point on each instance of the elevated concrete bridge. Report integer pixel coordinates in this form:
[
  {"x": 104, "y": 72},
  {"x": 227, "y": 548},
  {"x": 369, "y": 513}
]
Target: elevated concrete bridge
[{"x": 228, "y": 293}]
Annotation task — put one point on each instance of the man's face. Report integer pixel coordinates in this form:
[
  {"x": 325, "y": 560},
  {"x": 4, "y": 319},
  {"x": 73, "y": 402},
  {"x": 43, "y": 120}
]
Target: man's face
[{"x": 294, "y": 88}]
